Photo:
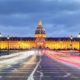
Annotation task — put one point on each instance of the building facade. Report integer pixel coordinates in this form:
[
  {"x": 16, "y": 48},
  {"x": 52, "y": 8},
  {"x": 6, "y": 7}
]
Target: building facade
[{"x": 40, "y": 41}]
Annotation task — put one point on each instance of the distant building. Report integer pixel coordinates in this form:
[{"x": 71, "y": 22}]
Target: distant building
[{"x": 40, "y": 41}]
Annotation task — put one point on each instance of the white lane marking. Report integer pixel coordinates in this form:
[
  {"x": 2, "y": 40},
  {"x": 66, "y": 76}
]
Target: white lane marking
[
  {"x": 41, "y": 74},
  {"x": 67, "y": 75},
  {"x": 14, "y": 70},
  {"x": 31, "y": 75}
]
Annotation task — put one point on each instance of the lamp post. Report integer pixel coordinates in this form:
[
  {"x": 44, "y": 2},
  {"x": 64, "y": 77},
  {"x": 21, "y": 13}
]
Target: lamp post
[
  {"x": 8, "y": 42},
  {"x": 0, "y": 42},
  {"x": 79, "y": 41},
  {"x": 71, "y": 37}
]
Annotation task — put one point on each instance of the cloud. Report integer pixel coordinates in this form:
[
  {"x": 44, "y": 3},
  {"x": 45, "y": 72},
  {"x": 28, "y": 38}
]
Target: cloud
[
  {"x": 61, "y": 17},
  {"x": 62, "y": 0},
  {"x": 10, "y": 30},
  {"x": 36, "y": 6}
]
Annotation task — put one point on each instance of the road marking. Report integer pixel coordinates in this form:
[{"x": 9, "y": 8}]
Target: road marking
[
  {"x": 67, "y": 75},
  {"x": 41, "y": 74},
  {"x": 31, "y": 75}
]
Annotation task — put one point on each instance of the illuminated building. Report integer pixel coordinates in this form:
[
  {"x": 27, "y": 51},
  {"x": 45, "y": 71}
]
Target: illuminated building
[
  {"x": 40, "y": 41},
  {"x": 40, "y": 36}
]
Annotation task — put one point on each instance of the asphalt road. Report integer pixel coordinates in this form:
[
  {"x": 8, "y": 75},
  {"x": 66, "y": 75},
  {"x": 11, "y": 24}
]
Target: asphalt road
[
  {"x": 52, "y": 70},
  {"x": 20, "y": 71},
  {"x": 48, "y": 69}
]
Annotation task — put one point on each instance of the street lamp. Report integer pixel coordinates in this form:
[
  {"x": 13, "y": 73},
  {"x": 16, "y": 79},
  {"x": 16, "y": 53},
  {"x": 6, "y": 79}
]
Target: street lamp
[
  {"x": 8, "y": 42},
  {"x": 71, "y": 37},
  {"x": 79, "y": 41},
  {"x": 0, "y": 42}
]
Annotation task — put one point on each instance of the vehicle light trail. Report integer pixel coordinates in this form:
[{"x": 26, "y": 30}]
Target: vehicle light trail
[
  {"x": 8, "y": 60},
  {"x": 67, "y": 59}
]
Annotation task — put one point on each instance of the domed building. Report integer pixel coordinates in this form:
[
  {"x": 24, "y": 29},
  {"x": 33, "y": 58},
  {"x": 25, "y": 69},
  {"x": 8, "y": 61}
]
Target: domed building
[
  {"x": 40, "y": 32},
  {"x": 40, "y": 36},
  {"x": 40, "y": 41}
]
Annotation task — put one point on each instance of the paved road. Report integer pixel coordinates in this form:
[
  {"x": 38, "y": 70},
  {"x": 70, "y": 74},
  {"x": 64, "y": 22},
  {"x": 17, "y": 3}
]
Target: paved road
[
  {"x": 48, "y": 69},
  {"x": 20, "y": 71},
  {"x": 52, "y": 70}
]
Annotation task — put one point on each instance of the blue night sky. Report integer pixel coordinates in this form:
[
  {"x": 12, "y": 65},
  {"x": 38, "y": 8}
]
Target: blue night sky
[{"x": 59, "y": 17}]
